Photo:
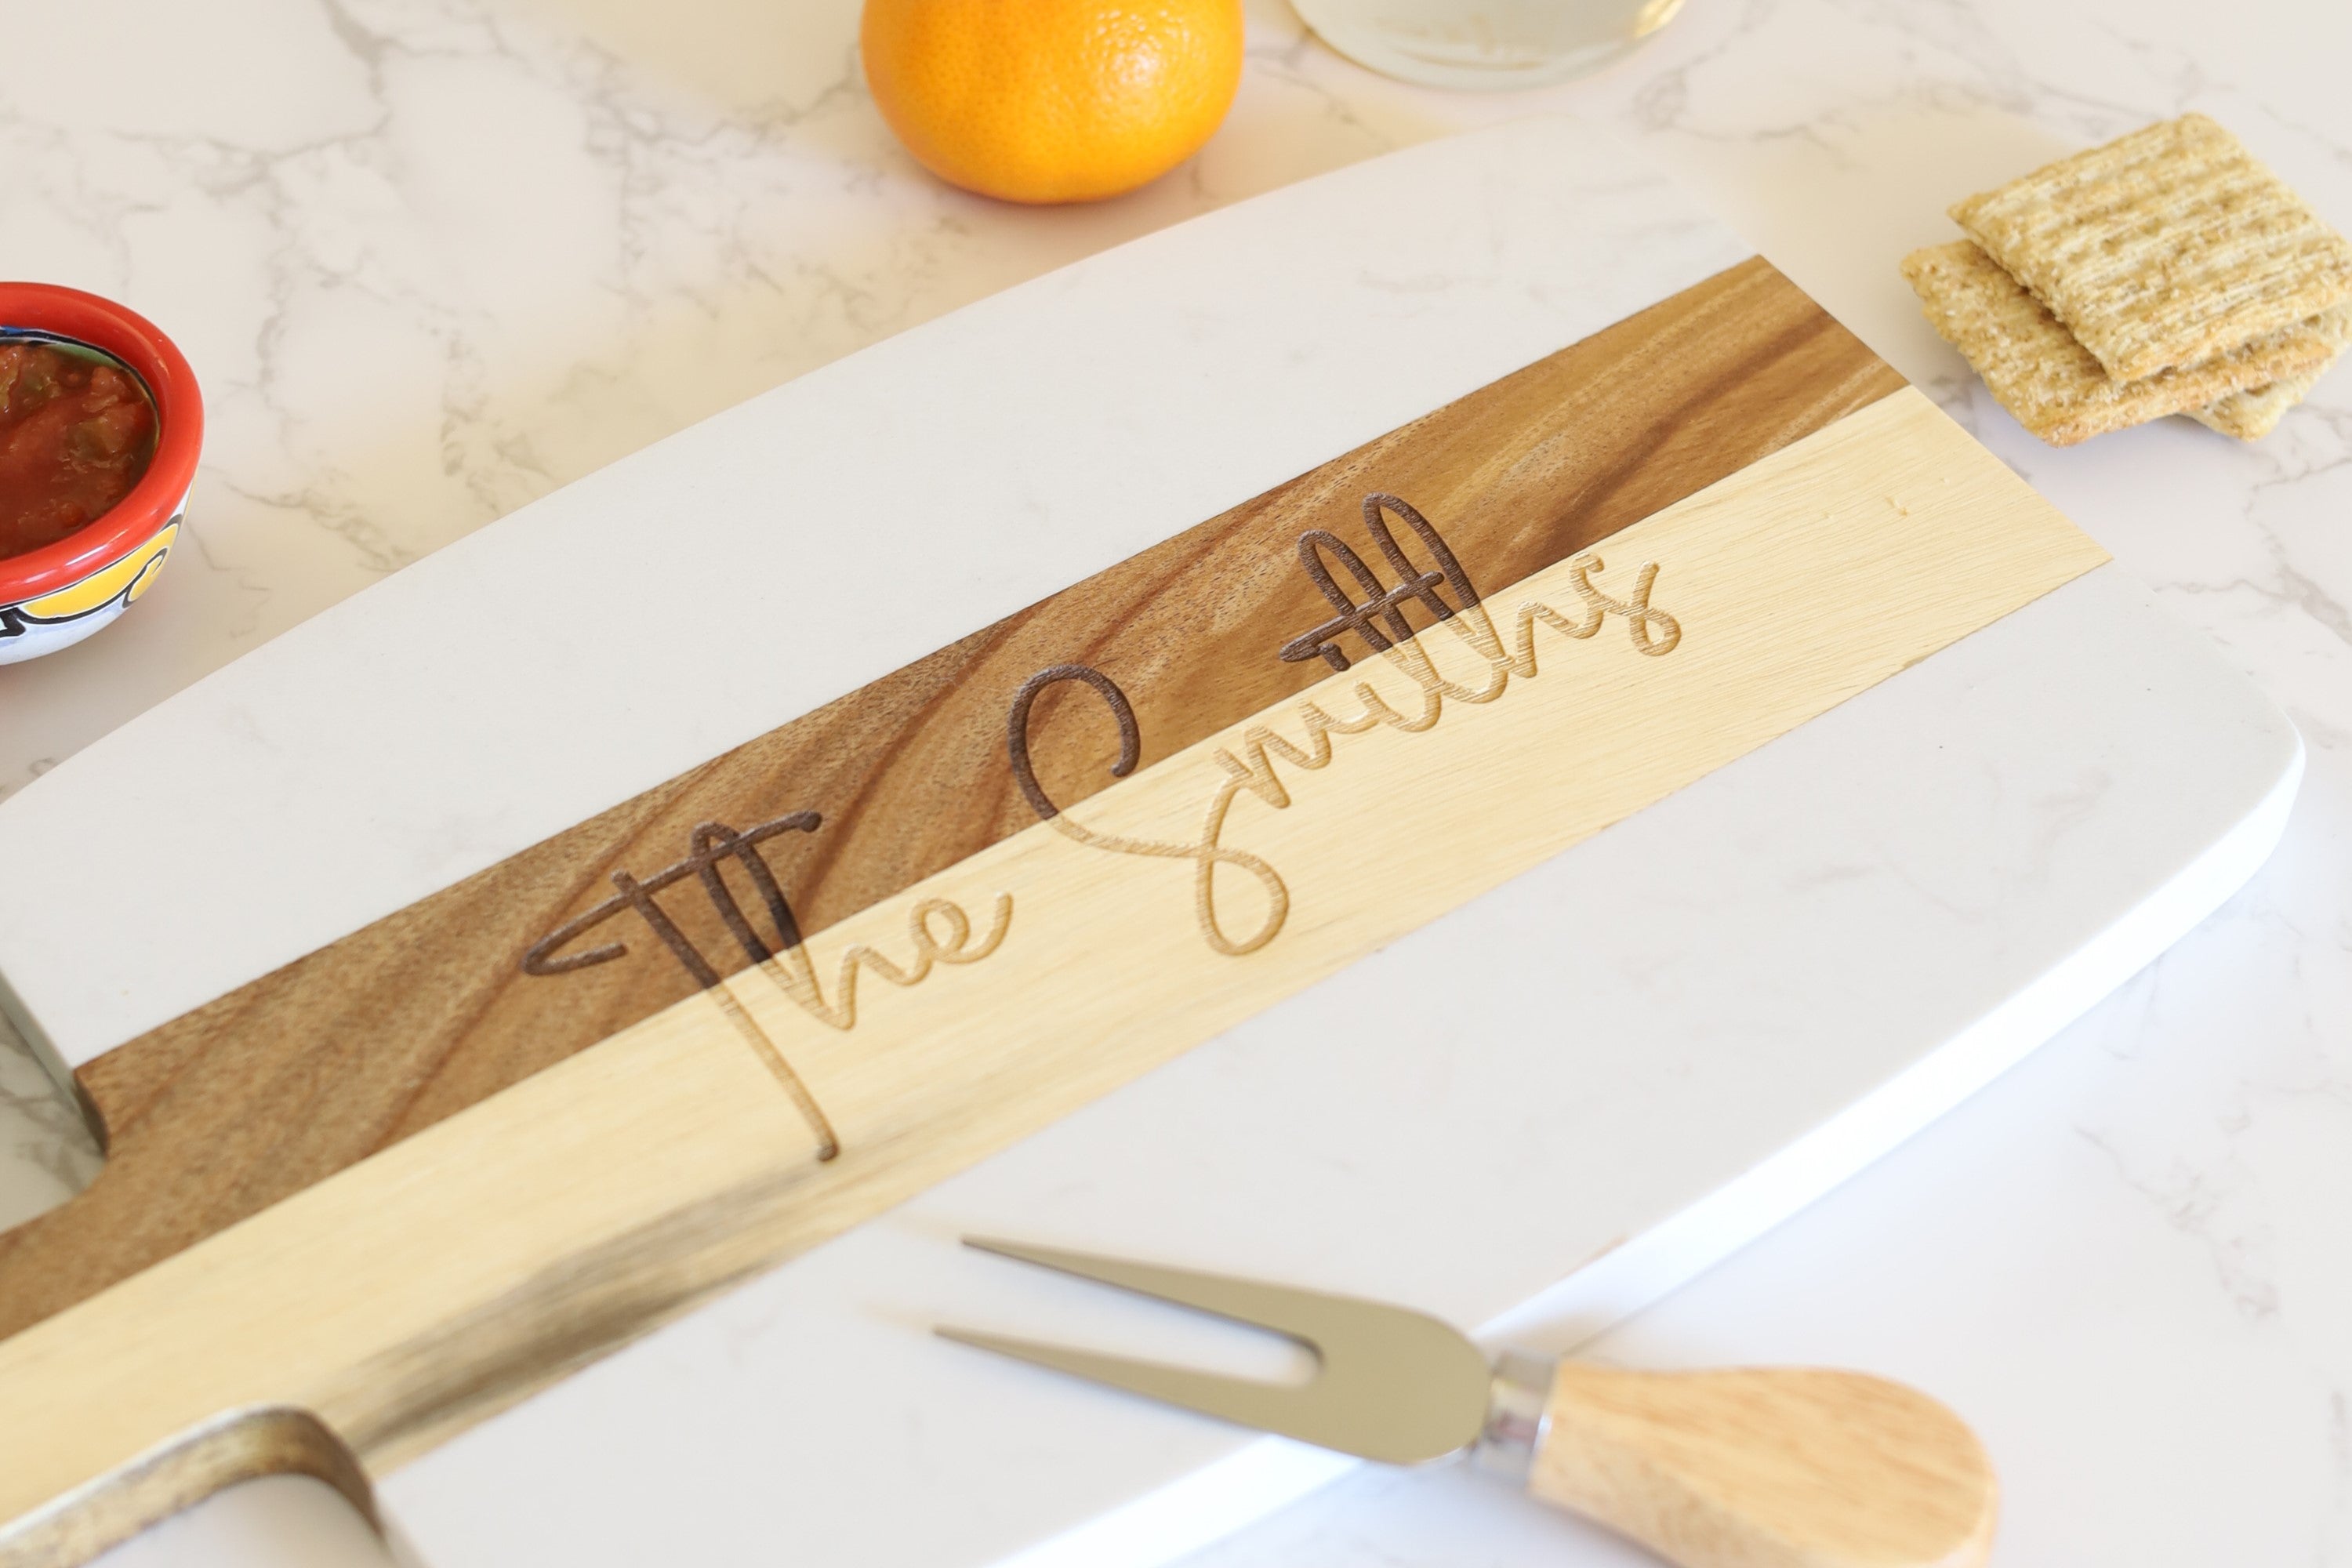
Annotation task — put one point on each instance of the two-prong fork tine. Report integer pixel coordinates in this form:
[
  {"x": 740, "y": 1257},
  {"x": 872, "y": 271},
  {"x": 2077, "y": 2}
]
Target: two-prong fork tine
[{"x": 1390, "y": 1384}]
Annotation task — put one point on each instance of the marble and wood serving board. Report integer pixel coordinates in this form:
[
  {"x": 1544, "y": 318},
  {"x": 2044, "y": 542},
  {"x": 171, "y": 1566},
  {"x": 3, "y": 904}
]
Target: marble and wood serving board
[{"x": 1444, "y": 733}]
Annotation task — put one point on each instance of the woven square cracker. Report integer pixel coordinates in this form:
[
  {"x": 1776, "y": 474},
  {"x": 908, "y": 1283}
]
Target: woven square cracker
[
  {"x": 2254, "y": 413},
  {"x": 2164, "y": 248},
  {"x": 2039, "y": 373}
]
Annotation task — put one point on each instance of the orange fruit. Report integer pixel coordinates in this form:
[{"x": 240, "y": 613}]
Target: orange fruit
[{"x": 1052, "y": 101}]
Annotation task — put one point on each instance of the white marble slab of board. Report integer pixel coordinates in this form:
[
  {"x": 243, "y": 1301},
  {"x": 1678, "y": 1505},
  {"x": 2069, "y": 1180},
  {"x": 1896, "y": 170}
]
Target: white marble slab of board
[{"x": 1686, "y": 1028}]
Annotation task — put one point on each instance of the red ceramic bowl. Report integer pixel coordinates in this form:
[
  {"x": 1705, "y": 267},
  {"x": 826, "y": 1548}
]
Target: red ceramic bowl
[{"x": 58, "y": 595}]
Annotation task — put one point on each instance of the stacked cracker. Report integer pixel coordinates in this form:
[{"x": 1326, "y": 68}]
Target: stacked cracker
[{"x": 2168, "y": 272}]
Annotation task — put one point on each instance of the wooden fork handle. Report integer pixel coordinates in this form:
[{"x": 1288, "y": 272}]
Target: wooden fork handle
[{"x": 1766, "y": 1467}]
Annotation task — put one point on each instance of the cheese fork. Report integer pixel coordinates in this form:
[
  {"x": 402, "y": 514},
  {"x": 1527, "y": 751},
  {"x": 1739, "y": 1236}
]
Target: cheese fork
[{"x": 1750, "y": 1467}]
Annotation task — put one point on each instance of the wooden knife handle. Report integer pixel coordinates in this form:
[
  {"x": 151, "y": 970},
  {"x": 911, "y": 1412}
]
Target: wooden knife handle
[{"x": 1767, "y": 1468}]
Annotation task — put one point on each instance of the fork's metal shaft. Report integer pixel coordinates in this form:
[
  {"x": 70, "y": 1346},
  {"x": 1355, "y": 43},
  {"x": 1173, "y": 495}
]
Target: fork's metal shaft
[{"x": 1390, "y": 1384}]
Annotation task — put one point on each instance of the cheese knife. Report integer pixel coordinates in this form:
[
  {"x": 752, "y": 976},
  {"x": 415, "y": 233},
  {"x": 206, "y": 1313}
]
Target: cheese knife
[{"x": 1745, "y": 1468}]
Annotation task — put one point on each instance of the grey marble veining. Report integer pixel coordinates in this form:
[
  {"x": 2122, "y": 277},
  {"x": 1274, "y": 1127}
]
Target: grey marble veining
[{"x": 46, "y": 1154}]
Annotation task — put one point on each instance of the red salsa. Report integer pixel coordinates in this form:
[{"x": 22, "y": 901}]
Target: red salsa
[{"x": 76, "y": 432}]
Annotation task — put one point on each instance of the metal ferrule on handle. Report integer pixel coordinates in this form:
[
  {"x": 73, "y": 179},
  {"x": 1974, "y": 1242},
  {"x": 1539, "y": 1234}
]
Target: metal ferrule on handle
[{"x": 1519, "y": 1415}]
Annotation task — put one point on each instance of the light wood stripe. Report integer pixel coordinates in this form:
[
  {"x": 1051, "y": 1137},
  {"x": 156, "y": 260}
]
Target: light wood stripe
[{"x": 597, "y": 1196}]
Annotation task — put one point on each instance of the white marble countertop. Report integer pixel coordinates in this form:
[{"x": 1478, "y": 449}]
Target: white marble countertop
[{"x": 432, "y": 260}]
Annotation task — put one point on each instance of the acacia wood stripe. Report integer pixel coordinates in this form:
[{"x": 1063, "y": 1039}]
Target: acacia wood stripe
[
  {"x": 427, "y": 1287},
  {"x": 216, "y": 1115}
]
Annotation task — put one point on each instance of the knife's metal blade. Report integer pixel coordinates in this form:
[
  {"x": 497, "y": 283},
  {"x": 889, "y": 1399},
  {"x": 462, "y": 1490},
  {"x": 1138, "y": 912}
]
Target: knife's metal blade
[{"x": 1390, "y": 1383}]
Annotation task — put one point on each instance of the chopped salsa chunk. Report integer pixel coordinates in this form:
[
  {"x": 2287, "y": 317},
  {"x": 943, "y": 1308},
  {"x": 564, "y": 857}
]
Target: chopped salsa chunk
[{"x": 76, "y": 434}]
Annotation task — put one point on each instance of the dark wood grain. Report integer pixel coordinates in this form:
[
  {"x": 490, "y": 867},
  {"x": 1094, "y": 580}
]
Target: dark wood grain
[{"x": 275, "y": 1087}]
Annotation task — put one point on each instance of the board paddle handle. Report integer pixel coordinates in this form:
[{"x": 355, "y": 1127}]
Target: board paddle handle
[{"x": 1756, "y": 1467}]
